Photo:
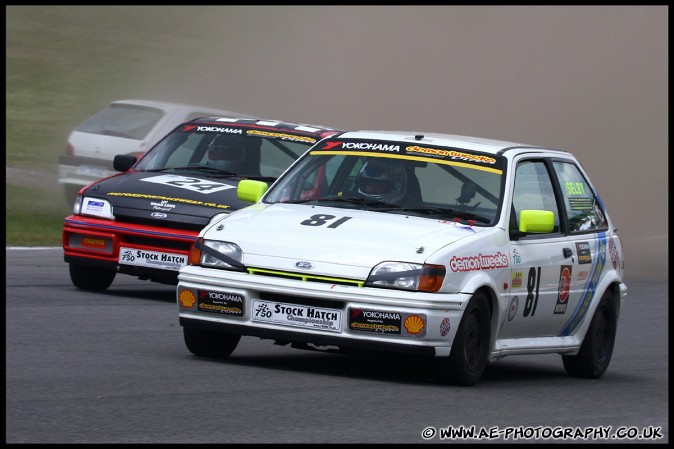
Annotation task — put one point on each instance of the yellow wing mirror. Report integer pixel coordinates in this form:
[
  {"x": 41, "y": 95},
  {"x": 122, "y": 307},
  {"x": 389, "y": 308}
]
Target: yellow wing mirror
[
  {"x": 251, "y": 190},
  {"x": 536, "y": 221}
]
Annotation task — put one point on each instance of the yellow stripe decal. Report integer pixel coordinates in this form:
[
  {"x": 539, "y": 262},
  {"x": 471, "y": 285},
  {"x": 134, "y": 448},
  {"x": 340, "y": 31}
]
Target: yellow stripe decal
[
  {"x": 410, "y": 158},
  {"x": 306, "y": 277}
]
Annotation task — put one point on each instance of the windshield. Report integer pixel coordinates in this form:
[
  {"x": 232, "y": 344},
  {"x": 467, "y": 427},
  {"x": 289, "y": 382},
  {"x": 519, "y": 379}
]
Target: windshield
[
  {"x": 223, "y": 151},
  {"x": 391, "y": 177}
]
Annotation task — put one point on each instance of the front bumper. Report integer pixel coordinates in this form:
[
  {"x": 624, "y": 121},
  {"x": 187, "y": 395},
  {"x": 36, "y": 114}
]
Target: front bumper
[
  {"x": 146, "y": 251},
  {"x": 325, "y": 314}
]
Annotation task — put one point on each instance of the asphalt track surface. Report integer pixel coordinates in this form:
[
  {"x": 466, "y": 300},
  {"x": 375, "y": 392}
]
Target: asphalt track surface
[{"x": 112, "y": 368}]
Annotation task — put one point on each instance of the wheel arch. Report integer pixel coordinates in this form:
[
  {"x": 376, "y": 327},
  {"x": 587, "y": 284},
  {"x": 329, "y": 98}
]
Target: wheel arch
[
  {"x": 492, "y": 300},
  {"x": 611, "y": 285}
]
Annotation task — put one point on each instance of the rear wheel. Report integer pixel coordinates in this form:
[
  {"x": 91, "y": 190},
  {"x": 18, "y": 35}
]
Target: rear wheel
[
  {"x": 95, "y": 279},
  {"x": 470, "y": 349},
  {"x": 205, "y": 343},
  {"x": 595, "y": 352}
]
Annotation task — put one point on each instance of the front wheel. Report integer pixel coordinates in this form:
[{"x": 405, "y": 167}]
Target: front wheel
[
  {"x": 595, "y": 352},
  {"x": 94, "y": 279},
  {"x": 205, "y": 343},
  {"x": 470, "y": 349}
]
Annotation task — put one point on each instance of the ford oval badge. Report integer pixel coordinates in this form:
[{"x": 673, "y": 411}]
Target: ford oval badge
[
  {"x": 304, "y": 265},
  {"x": 158, "y": 215}
]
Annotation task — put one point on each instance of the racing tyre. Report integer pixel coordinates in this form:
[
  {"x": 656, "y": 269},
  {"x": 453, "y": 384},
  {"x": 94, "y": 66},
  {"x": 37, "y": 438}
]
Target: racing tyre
[
  {"x": 470, "y": 349},
  {"x": 95, "y": 279},
  {"x": 204, "y": 343},
  {"x": 595, "y": 352}
]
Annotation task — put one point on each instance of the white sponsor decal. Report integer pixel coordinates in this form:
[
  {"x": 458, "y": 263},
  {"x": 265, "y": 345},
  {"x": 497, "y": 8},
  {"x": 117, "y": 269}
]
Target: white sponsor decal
[
  {"x": 479, "y": 262},
  {"x": 93, "y": 206},
  {"x": 307, "y": 128},
  {"x": 267, "y": 123},
  {"x": 152, "y": 259},
  {"x": 218, "y": 129},
  {"x": 163, "y": 205},
  {"x": 381, "y": 315},
  {"x": 193, "y": 184},
  {"x": 370, "y": 146},
  {"x": 297, "y": 316}
]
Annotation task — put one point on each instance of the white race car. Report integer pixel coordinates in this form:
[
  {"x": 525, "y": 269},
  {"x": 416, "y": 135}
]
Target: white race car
[{"x": 465, "y": 249}]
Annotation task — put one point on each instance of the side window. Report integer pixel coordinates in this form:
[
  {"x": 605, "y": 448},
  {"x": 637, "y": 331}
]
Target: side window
[
  {"x": 582, "y": 207},
  {"x": 533, "y": 190}
]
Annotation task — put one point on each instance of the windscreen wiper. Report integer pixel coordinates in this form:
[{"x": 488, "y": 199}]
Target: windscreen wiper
[
  {"x": 267, "y": 179},
  {"x": 202, "y": 168},
  {"x": 446, "y": 212},
  {"x": 349, "y": 200}
]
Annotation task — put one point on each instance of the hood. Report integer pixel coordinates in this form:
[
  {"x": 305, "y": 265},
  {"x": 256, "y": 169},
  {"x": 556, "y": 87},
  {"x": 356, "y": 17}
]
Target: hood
[
  {"x": 280, "y": 235},
  {"x": 185, "y": 201}
]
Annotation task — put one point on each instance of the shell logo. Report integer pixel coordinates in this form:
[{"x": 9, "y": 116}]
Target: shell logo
[
  {"x": 187, "y": 298},
  {"x": 414, "y": 324}
]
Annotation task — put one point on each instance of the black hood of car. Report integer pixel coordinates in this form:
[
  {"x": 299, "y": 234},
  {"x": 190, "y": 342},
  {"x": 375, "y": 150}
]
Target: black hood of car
[{"x": 168, "y": 199}]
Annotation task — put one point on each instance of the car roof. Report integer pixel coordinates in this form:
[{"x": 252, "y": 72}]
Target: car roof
[
  {"x": 181, "y": 106},
  {"x": 272, "y": 124},
  {"x": 485, "y": 145}
]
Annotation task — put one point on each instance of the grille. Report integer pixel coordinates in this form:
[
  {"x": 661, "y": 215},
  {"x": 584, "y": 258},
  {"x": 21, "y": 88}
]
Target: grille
[
  {"x": 306, "y": 277},
  {"x": 181, "y": 225},
  {"x": 162, "y": 243}
]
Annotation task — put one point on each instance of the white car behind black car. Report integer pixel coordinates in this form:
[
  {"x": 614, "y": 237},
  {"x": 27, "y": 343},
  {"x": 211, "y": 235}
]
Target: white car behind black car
[
  {"x": 459, "y": 248},
  {"x": 123, "y": 127}
]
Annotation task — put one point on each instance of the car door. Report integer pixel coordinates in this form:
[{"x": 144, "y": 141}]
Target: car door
[
  {"x": 593, "y": 252},
  {"x": 542, "y": 264}
]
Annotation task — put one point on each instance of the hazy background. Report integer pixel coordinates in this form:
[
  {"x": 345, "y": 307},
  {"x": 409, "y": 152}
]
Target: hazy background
[{"x": 589, "y": 79}]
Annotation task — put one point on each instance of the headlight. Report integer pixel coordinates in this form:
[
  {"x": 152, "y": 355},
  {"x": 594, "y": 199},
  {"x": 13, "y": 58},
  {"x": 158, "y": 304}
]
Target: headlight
[
  {"x": 78, "y": 205},
  {"x": 217, "y": 254},
  {"x": 407, "y": 276},
  {"x": 94, "y": 207}
]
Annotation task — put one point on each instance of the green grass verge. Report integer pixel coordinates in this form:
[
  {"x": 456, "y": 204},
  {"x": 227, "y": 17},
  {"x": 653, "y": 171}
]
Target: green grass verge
[
  {"x": 63, "y": 64},
  {"x": 28, "y": 225}
]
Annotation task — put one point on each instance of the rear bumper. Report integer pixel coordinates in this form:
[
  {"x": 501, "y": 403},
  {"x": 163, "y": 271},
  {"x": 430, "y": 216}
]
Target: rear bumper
[{"x": 76, "y": 172}]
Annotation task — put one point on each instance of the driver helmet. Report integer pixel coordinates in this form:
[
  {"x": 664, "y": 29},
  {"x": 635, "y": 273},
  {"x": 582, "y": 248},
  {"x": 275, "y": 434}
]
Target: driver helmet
[
  {"x": 226, "y": 153},
  {"x": 382, "y": 180}
]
